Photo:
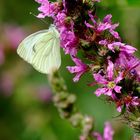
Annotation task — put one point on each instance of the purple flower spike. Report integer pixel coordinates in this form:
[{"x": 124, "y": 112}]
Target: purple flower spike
[{"x": 79, "y": 69}]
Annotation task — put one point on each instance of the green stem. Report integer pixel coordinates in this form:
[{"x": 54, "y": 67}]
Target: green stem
[{"x": 65, "y": 103}]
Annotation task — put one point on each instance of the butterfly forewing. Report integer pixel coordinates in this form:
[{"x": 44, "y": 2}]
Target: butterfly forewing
[
  {"x": 42, "y": 50},
  {"x": 26, "y": 47}
]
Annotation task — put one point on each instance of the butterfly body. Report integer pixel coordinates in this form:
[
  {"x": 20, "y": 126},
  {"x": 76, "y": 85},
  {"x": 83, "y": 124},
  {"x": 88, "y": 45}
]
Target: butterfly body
[{"x": 42, "y": 50}]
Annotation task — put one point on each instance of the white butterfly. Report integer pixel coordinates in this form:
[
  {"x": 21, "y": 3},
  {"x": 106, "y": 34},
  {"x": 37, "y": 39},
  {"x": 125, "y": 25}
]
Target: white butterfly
[{"x": 42, "y": 50}]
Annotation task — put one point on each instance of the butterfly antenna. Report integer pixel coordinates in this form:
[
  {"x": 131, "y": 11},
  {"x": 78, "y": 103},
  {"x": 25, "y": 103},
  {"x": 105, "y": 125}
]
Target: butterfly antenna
[{"x": 40, "y": 18}]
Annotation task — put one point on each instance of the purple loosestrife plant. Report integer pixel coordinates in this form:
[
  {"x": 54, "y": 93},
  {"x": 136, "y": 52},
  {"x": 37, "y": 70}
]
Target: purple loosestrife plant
[{"x": 111, "y": 62}]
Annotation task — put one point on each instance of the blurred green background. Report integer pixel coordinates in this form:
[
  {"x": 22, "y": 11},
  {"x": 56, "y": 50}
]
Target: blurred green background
[{"x": 26, "y": 108}]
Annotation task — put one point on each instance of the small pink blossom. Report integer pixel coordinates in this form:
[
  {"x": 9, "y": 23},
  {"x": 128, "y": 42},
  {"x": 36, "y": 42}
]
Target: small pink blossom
[
  {"x": 79, "y": 69},
  {"x": 119, "y": 108},
  {"x": 68, "y": 41},
  {"x": 103, "y": 42},
  {"x": 127, "y": 101},
  {"x": 108, "y": 133},
  {"x": 47, "y": 8},
  {"x": 60, "y": 20},
  {"x": 14, "y": 35},
  {"x": 127, "y": 62},
  {"x": 102, "y": 26},
  {"x": 109, "y": 82},
  {"x": 122, "y": 47}
]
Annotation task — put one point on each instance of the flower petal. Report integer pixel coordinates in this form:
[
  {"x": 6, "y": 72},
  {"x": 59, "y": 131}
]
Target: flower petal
[
  {"x": 73, "y": 69},
  {"x": 118, "y": 89},
  {"x": 109, "y": 92},
  {"x": 119, "y": 108},
  {"x": 110, "y": 68},
  {"x": 98, "y": 136},
  {"x": 77, "y": 76},
  {"x": 119, "y": 78},
  {"x": 100, "y": 91},
  {"x": 89, "y": 25},
  {"x": 108, "y": 131},
  {"x": 103, "y": 42},
  {"x": 114, "y": 33},
  {"x": 129, "y": 49},
  {"x": 107, "y": 18},
  {"x": 100, "y": 79}
]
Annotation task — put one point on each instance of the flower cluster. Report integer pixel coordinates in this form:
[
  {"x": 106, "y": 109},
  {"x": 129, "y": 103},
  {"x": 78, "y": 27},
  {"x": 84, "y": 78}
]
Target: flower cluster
[{"x": 111, "y": 62}]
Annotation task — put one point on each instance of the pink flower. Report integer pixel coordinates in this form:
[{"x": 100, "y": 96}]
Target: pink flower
[
  {"x": 47, "y": 8},
  {"x": 107, "y": 19},
  {"x": 103, "y": 42},
  {"x": 127, "y": 62},
  {"x": 108, "y": 133},
  {"x": 68, "y": 41},
  {"x": 122, "y": 47},
  {"x": 60, "y": 20},
  {"x": 105, "y": 25},
  {"x": 127, "y": 101},
  {"x": 79, "y": 69},
  {"x": 109, "y": 82},
  {"x": 14, "y": 35},
  {"x": 118, "y": 46}
]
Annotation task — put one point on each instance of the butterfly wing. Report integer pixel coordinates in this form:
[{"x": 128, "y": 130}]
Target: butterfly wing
[
  {"x": 26, "y": 47},
  {"x": 42, "y": 50},
  {"x": 48, "y": 56}
]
